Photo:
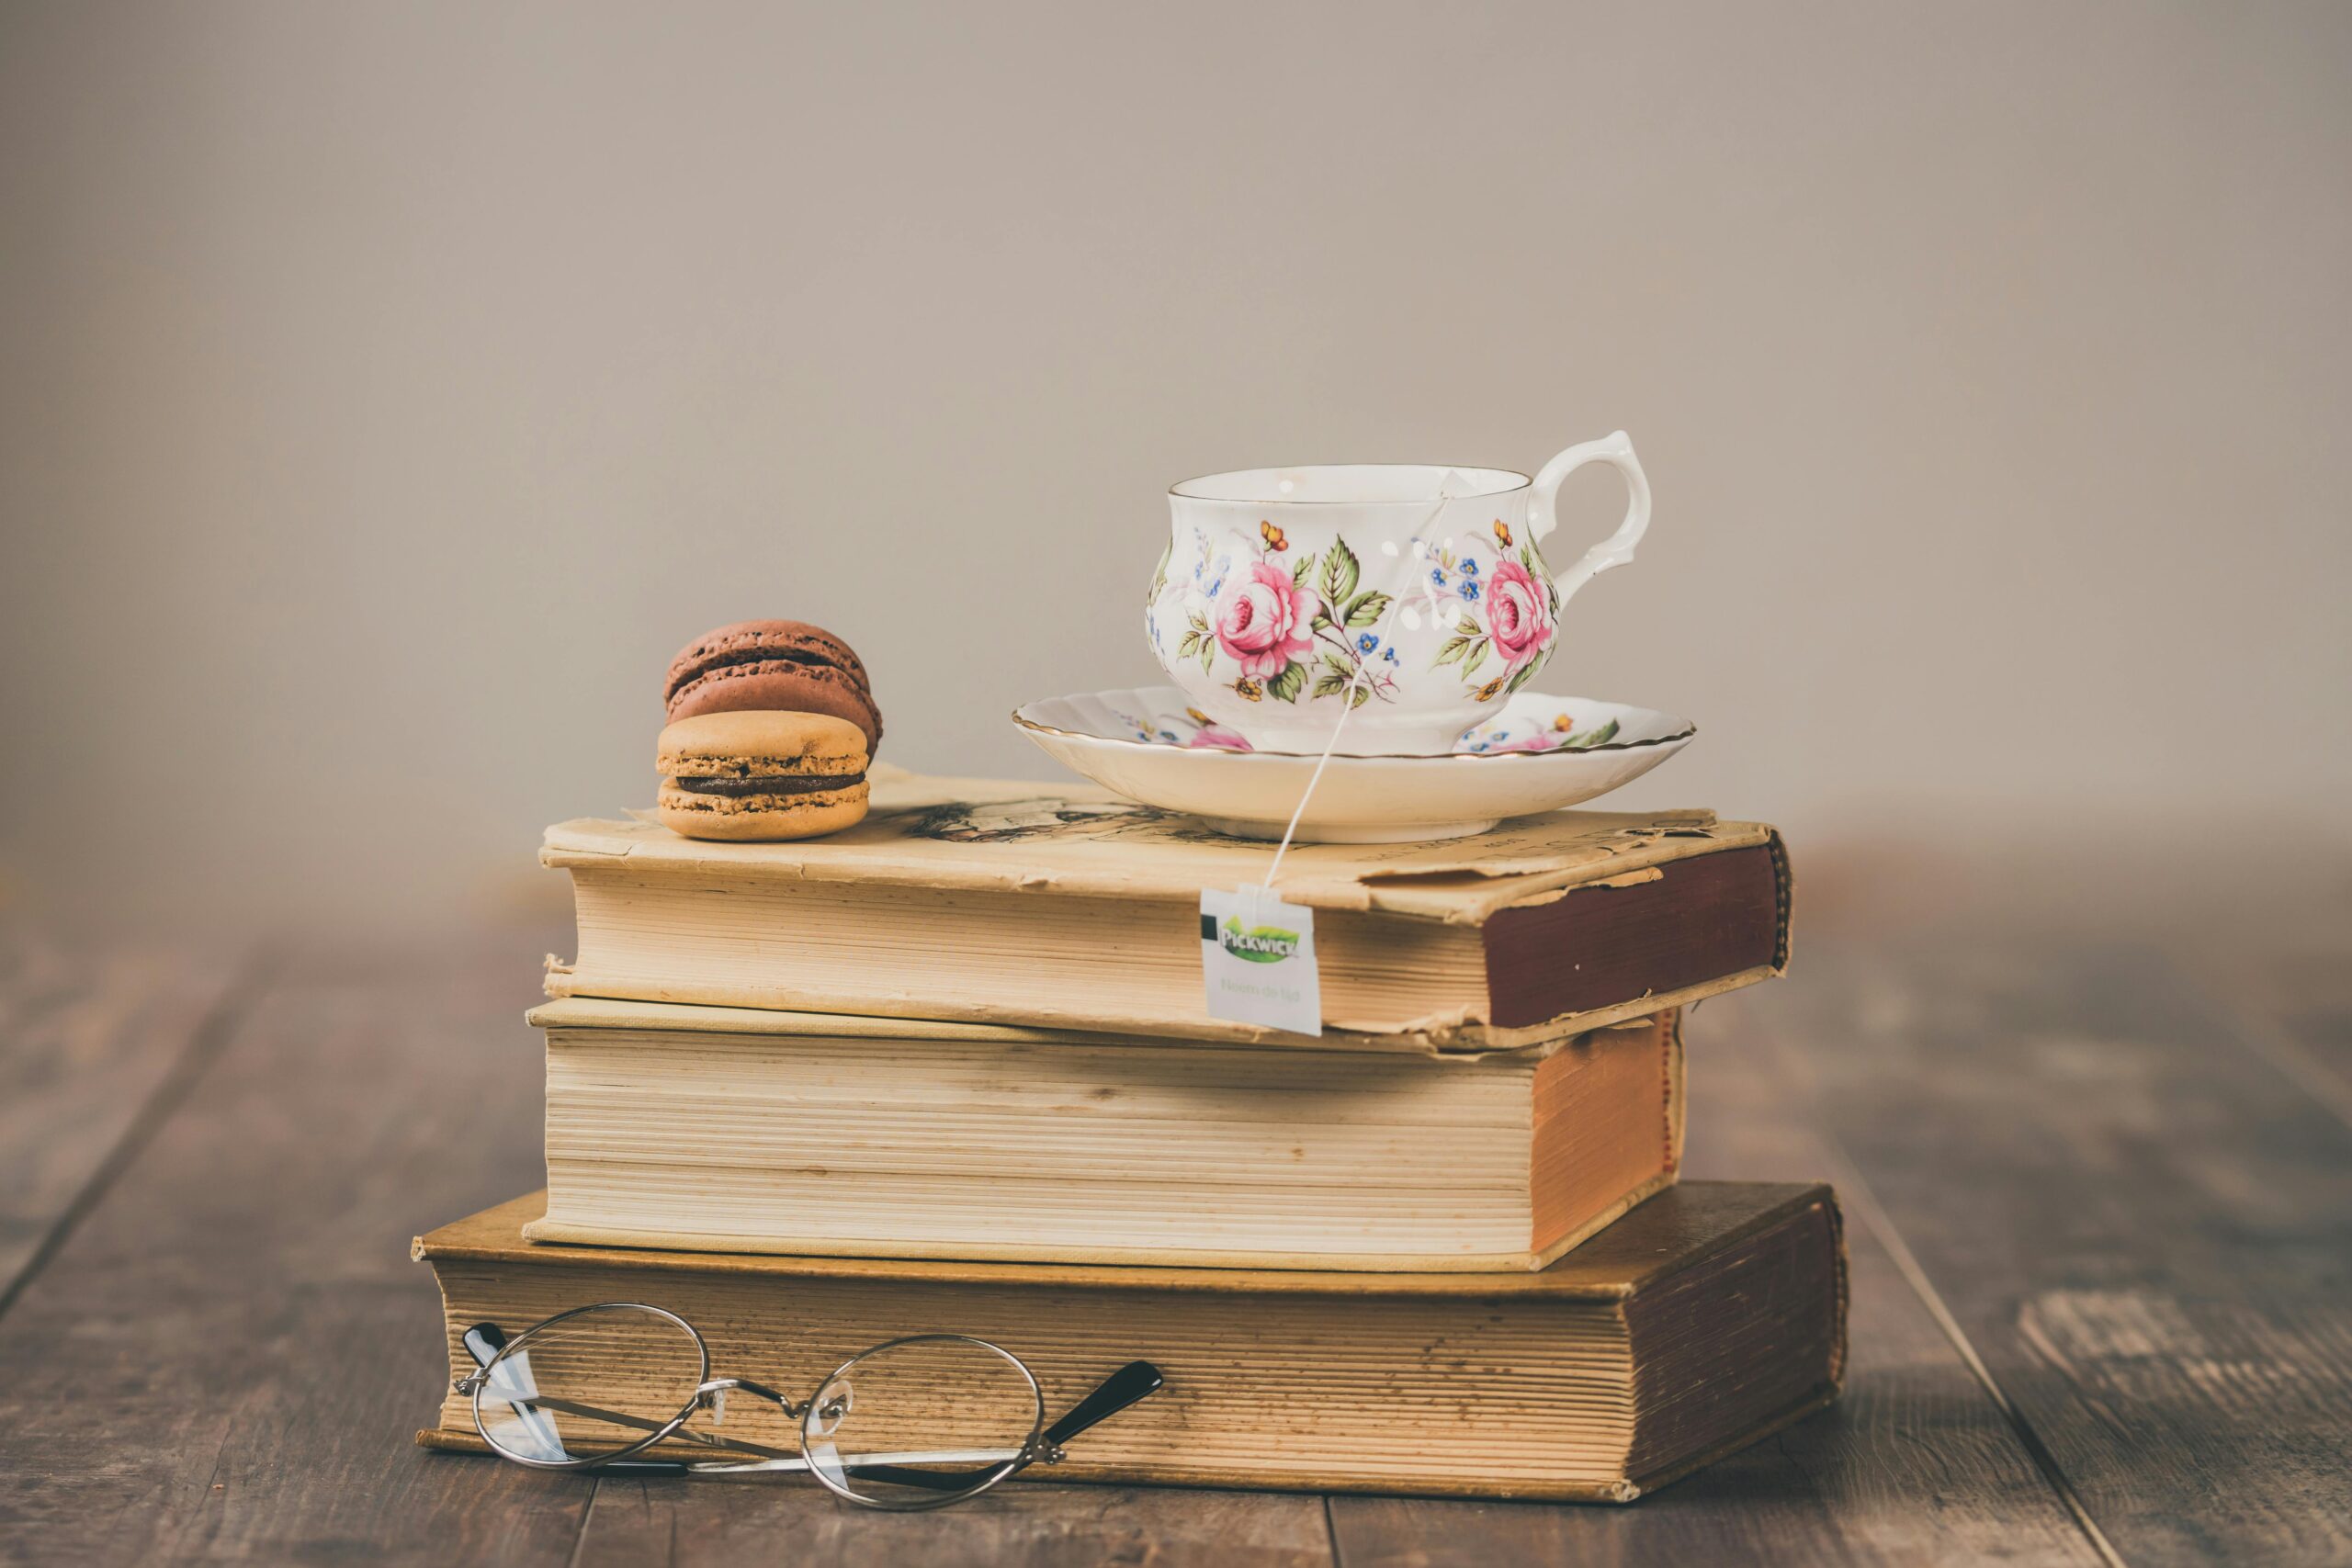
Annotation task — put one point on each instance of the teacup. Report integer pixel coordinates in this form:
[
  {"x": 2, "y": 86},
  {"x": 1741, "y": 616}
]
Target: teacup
[{"x": 1413, "y": 590}]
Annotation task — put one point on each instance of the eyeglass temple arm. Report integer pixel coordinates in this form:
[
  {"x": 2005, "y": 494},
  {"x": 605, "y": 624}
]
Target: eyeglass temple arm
[
  {"x": 1112, "y": 1394},
  {"x": 484, "y": 1341},
  {"x": 1131, "y": 1382}
]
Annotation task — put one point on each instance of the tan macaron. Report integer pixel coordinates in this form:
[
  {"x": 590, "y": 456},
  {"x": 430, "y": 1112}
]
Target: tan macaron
[{"x": 762, "y": 773}]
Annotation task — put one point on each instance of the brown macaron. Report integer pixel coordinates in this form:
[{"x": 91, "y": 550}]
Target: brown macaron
[
  {"x": 760, "y": 774},
  {"x": 788, "y": 666}
]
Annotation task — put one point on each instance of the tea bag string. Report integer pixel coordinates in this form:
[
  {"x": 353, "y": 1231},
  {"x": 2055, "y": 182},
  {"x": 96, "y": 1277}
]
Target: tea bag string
[{"x": 1410, "y": 562}]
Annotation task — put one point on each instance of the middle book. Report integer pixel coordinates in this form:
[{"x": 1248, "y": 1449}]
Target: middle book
[{"x": 742, "y": 1129}]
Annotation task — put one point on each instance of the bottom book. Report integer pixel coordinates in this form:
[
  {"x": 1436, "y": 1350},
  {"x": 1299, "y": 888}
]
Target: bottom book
[{"x": 1710, "y": 1315}]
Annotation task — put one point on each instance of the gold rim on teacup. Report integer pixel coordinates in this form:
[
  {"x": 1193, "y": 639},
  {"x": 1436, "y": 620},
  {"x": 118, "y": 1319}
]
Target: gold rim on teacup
[{"x": 1438, "y": 470}]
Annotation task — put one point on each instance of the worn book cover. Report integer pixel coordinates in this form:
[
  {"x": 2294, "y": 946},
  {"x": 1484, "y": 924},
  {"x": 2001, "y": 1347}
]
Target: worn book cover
[
  {"x": 1012, "y": 903},
  {"x": 1710, "y": 1316}
]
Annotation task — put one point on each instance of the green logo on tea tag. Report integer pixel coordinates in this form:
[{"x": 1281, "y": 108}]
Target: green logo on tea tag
[
  {"x": 1261, "y": 944},
  {"x": 1257, "y": 961}
]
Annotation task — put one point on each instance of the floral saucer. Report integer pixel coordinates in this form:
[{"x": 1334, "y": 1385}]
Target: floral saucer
[{"x": 1537, "y": 753}]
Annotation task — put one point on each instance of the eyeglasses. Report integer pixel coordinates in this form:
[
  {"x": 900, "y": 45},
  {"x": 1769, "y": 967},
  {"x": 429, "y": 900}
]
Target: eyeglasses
[{"x": 914, "y": 1422}]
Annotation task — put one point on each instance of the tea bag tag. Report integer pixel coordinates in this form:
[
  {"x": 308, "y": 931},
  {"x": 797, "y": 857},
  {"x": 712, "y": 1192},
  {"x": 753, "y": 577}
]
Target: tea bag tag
[
  {"x": 1257, "y": 960},
  {"x": 1258, "y": 952}
]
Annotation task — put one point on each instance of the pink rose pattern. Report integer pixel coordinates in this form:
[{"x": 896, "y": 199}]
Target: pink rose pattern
[
  {"x": 1518, "y": 615},
  {"x": 1560, "y": 735},
  {"x": 1196, "y": 731},
  {"x": 1217, "y": 737},
  {"x": 1292, "y": 619},
  {"x": 1263, "y": 627},
  {"x": 1511, "y": 615}
]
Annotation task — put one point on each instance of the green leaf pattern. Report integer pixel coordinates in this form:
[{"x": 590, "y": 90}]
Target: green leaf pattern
[
  {"x": 1590, "y": 737},
  {"x": 1346, "y": 616},
  {"x": 1339, "y": 572},
  {"x": 1160, "y": 575}
]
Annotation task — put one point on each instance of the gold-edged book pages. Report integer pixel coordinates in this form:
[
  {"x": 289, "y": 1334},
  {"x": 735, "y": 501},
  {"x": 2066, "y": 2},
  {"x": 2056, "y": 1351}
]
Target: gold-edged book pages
[
  {"x": 735, "y": 1130},
  {"x": 996, "y": 902},
  {"x": 1708, "y": 1317}
]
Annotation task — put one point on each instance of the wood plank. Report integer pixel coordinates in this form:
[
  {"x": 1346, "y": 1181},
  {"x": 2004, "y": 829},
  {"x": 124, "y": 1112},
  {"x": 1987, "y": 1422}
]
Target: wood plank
[
  {"x": 227, "y": 1358},
  {"x": 2142, "y": 1223},
  {"x": 1915, "y": 1464},
  {"x": 1040, "y": 1526},
  {"x": 89, "y": 1042},
  {"x": 2283, "y": 971},
  {"x": 2138, "y": 1220}
]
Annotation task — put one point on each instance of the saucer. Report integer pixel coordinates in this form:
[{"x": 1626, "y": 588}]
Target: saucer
[{"x": 1537, "y": 753}]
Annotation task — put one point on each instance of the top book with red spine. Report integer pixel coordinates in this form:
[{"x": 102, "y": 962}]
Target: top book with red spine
[{"x": 1014, "y": 903}]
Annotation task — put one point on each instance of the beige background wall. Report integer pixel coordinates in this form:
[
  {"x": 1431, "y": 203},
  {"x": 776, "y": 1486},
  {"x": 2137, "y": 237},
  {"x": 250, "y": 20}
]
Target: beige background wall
[{"x": 386, "y": 390}]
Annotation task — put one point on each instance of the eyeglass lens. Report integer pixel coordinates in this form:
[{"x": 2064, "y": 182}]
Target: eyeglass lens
[
  {"x": 921, "y": 1422},
  {"x": 591, "y": 1384}
]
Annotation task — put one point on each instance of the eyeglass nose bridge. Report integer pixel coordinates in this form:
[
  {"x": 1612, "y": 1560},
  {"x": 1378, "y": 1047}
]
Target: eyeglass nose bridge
[{"x": 712, "y": 1397}]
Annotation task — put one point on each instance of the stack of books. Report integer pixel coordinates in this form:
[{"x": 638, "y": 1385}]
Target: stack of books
[{"x": 954, "y": 1070}]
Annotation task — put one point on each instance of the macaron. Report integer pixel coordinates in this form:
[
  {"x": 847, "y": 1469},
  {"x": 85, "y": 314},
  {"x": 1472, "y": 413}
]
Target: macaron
[
  {"x": 788, "y": 666},
  {"x": 760, "y": 773}
]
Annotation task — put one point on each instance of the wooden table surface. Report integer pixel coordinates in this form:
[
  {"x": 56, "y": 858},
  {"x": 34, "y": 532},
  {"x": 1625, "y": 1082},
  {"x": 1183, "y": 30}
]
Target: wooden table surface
[{"x": 2099, "y": 1196}]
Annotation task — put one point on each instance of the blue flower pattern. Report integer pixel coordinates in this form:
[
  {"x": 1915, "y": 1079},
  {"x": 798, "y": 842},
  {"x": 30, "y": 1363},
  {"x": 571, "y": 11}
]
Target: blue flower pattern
[
  {"x": 1456, "y": 580},
  {"x": 1456, "y": 576}
]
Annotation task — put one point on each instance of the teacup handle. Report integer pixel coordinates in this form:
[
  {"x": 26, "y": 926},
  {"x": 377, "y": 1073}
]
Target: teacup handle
[{"x": 1617, "y": 451}]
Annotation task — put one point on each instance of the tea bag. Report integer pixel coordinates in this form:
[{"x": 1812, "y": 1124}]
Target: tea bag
[{"x": 1257, "y": 949}]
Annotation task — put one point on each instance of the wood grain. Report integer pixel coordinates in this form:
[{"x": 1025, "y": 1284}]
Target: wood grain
[
  {"x": 89, "y": 1038},
  {"x": 688, "y": 1523},
  {"x": 2283, "y": 970},
  {"x": 2141, "y": 1224},
  {"x": 1914, "y": 1464},
  {"x": 228, "y": 1361},
  {"x": 227, "y": 1358},
  {"x": 2123, "y": 1176}
]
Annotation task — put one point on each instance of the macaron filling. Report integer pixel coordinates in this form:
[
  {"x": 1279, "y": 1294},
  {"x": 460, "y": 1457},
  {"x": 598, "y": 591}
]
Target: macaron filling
[
  {"x": 739, "y": 786},
  {"x": 810, "y": 662}
]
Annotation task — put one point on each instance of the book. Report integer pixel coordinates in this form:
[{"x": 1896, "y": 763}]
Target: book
[
  {"x": 727, "y": 1129},
  {"x": 990, "y": 902},
  {"x": 1710, "y": 1315}
]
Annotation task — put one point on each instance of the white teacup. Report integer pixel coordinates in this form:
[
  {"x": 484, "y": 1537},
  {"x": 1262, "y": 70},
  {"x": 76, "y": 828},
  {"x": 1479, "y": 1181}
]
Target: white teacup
[{"x": 1280, "y": 586}]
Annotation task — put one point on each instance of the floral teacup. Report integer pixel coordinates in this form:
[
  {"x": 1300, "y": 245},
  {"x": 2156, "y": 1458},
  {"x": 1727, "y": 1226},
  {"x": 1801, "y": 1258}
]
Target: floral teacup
[{"x": 1414, "y": 587}]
